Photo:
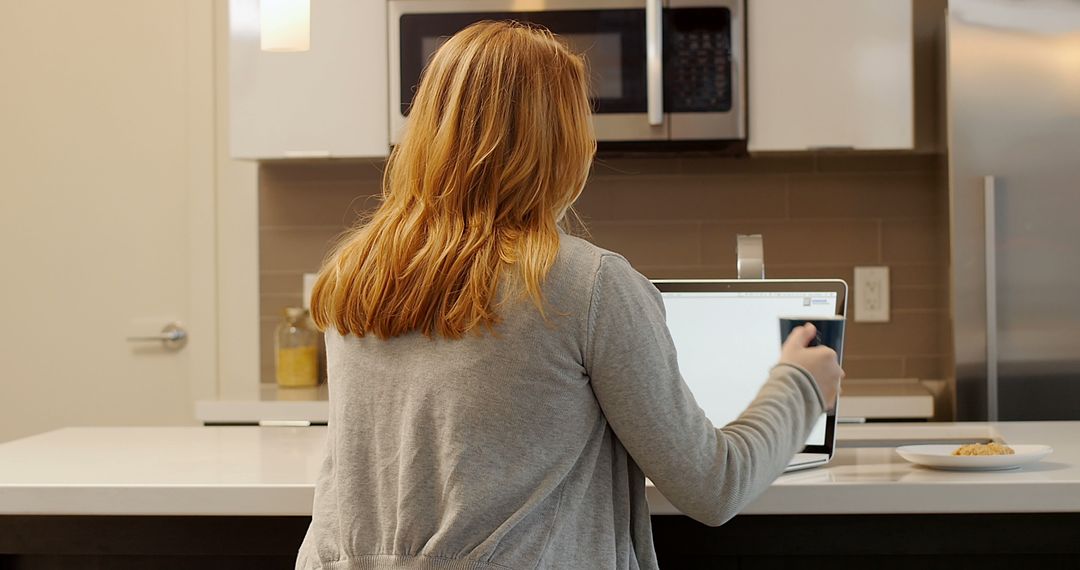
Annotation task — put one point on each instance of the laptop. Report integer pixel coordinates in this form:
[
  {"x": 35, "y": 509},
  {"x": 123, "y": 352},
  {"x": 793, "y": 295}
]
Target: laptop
[{"x": 727, "y": 335}]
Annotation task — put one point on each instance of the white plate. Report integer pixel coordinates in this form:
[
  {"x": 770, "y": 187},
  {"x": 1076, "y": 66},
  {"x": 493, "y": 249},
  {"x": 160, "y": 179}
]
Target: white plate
[{"x": 941, "y": 457}]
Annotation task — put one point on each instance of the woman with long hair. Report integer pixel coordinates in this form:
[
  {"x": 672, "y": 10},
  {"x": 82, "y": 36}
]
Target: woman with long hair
[{"x": 499, "y": 390}]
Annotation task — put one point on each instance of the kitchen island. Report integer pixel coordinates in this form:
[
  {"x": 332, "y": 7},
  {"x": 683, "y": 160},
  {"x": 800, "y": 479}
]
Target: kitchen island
[{"x": 242, "y": 496}]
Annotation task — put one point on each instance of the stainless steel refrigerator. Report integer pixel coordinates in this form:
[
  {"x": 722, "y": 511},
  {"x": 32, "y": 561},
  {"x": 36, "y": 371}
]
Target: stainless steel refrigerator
[{"x": 1013, "y": 90}]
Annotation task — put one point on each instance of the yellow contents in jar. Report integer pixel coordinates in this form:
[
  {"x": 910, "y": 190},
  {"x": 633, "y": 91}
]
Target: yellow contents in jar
[{"x": 298, "y": 366}]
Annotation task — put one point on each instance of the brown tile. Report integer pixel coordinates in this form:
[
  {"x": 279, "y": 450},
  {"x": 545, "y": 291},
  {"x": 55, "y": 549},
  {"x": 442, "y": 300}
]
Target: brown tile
[
  {"x": 634, "y": 166},
  {"x": 639, "y": 198},
  {"x": 312, "y": 171},
  {"x": 944, "y": 297},
  {"x": 903, "y": 297},
  {"x": 757, "y": 164},
  {"x": 267, "y": 327},
  {"x": 289, "y": 282},
  {"x": 648, "y": 209},
  {"x": 925, "y": 367},
  {"x": 911, "y": 242},
  {"x": 876, "y": 162},
  {"x": 908, "y": 333},
  {"x": 795, "y": 242},
  {"x": 729, "y": 272},
  {"x": 271, "y": 304},
  {"x": 686, "y": 272},
  {"x": 873, "y": 366},
  {"x": 845, "y": 272},
  {"x": 947, "y": 358},
  {"x": 656, "y": 244},
  {"x": 915, "y": 298},
  {"x": 917, "y": 275},
  {"x": 743, "y": 197},
  {"x": 315, "y": 204},
  {"x": 684, "y": 198},
  {"x": 876, "y": 195},
  {"x": 295, "y": 249}
]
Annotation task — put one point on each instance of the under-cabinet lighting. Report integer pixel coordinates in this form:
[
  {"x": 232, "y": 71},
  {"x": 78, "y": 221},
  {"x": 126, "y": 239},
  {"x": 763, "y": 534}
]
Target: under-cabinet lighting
[{"x": 285, "y": 25}]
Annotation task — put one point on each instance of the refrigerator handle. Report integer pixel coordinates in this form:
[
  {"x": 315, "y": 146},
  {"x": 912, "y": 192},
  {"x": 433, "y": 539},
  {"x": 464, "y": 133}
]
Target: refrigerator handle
[
  {"x": 990, "y": 223},
  {"x": 654, "y": 61}
]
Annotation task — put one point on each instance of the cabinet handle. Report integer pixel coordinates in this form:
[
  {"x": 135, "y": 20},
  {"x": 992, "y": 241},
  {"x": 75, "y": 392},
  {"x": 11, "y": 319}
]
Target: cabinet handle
[
  {"x": 306, "y": 154},
  {"x": 654, "y": 60},
  {"x": 828, "y": 148}
]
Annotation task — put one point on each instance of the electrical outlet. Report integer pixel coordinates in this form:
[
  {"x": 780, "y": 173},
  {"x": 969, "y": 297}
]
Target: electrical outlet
[{"x": 872, "y": 294}]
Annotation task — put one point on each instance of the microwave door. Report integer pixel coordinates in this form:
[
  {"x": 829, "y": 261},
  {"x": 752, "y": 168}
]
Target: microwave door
[
  {"x": 704, "y": 71},
  {"x": 627, "y": 83},
  {"x": 611, "y": 34}
]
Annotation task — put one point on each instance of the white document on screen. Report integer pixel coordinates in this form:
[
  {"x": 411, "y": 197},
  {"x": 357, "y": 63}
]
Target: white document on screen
[{"x": 728, "y": 342}]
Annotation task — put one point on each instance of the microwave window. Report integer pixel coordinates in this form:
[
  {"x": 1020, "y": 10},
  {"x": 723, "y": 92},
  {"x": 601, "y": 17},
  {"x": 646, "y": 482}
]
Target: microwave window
[
  {"x": 429, "y": 45},
  {"x": 603, "y": 52},
  {"x": 612, "y": 41}
]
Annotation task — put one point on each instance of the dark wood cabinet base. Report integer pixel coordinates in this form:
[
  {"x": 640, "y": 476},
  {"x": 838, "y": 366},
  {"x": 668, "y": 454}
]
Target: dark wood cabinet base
[
  {"x": 983, "y": 542},
  {"x": 880, "y": 542}
]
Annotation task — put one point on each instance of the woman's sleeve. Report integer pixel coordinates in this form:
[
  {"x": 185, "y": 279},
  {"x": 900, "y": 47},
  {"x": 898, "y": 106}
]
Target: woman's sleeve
[{"x": 707, "y": 473}]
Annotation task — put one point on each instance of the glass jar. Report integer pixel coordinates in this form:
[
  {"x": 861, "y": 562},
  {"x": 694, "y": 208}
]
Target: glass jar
[{"x": 296, "y": 350}]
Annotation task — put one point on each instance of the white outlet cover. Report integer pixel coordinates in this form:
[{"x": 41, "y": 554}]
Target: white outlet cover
[{"x": 872, "y": 294}]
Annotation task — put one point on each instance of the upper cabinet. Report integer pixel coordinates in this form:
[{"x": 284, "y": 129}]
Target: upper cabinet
[
  {"x": 329, "y": 101},
  {"x": 830, "y": 74}
]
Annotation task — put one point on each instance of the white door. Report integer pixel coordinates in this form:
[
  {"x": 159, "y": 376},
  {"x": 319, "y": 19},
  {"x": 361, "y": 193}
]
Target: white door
[{"x": 106, "y": 211}]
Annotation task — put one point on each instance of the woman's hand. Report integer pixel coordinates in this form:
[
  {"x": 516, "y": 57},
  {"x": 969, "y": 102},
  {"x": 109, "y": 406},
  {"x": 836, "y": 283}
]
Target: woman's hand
[{"x": 819, "y": 361}]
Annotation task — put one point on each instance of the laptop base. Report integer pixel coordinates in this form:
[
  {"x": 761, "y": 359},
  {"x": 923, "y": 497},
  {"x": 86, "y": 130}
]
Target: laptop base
[{"x": 806, "y": 461}]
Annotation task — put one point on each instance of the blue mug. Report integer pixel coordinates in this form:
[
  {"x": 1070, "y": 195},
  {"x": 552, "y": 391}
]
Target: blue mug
[{"x": 830, "y": 332}]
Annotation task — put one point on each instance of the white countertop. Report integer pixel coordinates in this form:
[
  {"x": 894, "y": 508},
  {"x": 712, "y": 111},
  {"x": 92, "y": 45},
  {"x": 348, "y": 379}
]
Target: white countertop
[
  {"x": 271, "y": 471},
  {"x": 162, "y": 471},
  {"x": 879, "y": 398},
  {"x": 275, "y": 405},
  {"x": 875, "y": 480}
]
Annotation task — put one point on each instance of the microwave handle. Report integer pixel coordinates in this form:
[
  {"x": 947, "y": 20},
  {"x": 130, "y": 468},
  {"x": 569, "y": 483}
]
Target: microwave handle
[{"x": 654, "y": 58}]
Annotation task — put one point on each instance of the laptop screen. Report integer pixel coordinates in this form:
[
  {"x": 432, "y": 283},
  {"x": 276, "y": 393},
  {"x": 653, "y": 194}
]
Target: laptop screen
[{"x": 728, "y": 341}]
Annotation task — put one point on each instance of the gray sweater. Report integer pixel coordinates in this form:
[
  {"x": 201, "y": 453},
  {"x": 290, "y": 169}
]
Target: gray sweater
[{"x": 529, "y": 447}]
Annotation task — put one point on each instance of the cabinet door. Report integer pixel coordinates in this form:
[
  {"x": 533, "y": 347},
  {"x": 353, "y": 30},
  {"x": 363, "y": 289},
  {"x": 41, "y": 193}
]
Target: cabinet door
[
  {"x": 330, "y": 101},
  {"x": 830, "y": 73}
]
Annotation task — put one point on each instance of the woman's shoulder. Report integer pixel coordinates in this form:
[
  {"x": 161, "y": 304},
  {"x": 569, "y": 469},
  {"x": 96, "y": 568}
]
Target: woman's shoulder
[
  {"x": 581, "y": 264},
  {"x": 582, "y": 257},
  {"x": 600, "y": 277}
]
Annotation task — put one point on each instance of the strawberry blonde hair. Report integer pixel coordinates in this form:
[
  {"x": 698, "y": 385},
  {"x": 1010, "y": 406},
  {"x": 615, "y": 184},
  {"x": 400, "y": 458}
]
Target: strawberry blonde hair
[{"x": 497, "y": 147}]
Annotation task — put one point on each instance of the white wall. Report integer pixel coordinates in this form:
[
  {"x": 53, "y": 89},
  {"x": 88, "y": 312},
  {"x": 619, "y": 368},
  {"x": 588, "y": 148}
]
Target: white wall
[{"x": 237, "y": 242}]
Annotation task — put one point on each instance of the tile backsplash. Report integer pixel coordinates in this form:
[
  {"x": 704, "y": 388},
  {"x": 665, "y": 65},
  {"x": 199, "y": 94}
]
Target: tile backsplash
[{"x": 677, "y": 217}]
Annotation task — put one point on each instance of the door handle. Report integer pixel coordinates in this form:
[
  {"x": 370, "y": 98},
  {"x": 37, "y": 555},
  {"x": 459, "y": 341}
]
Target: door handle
[
  {"x": 654, "y": 61},
  {"x": 173, "y": 337},
  {"x": 990, "y": 225}
]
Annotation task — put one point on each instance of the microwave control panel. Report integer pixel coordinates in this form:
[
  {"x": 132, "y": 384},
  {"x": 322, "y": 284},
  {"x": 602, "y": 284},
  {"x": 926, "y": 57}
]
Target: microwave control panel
[{"x": 697, "y": 61}]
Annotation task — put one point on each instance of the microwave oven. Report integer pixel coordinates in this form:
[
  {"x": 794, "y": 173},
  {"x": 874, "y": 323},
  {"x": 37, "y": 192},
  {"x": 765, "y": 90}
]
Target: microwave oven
[{"x": 661, "y": 70}]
